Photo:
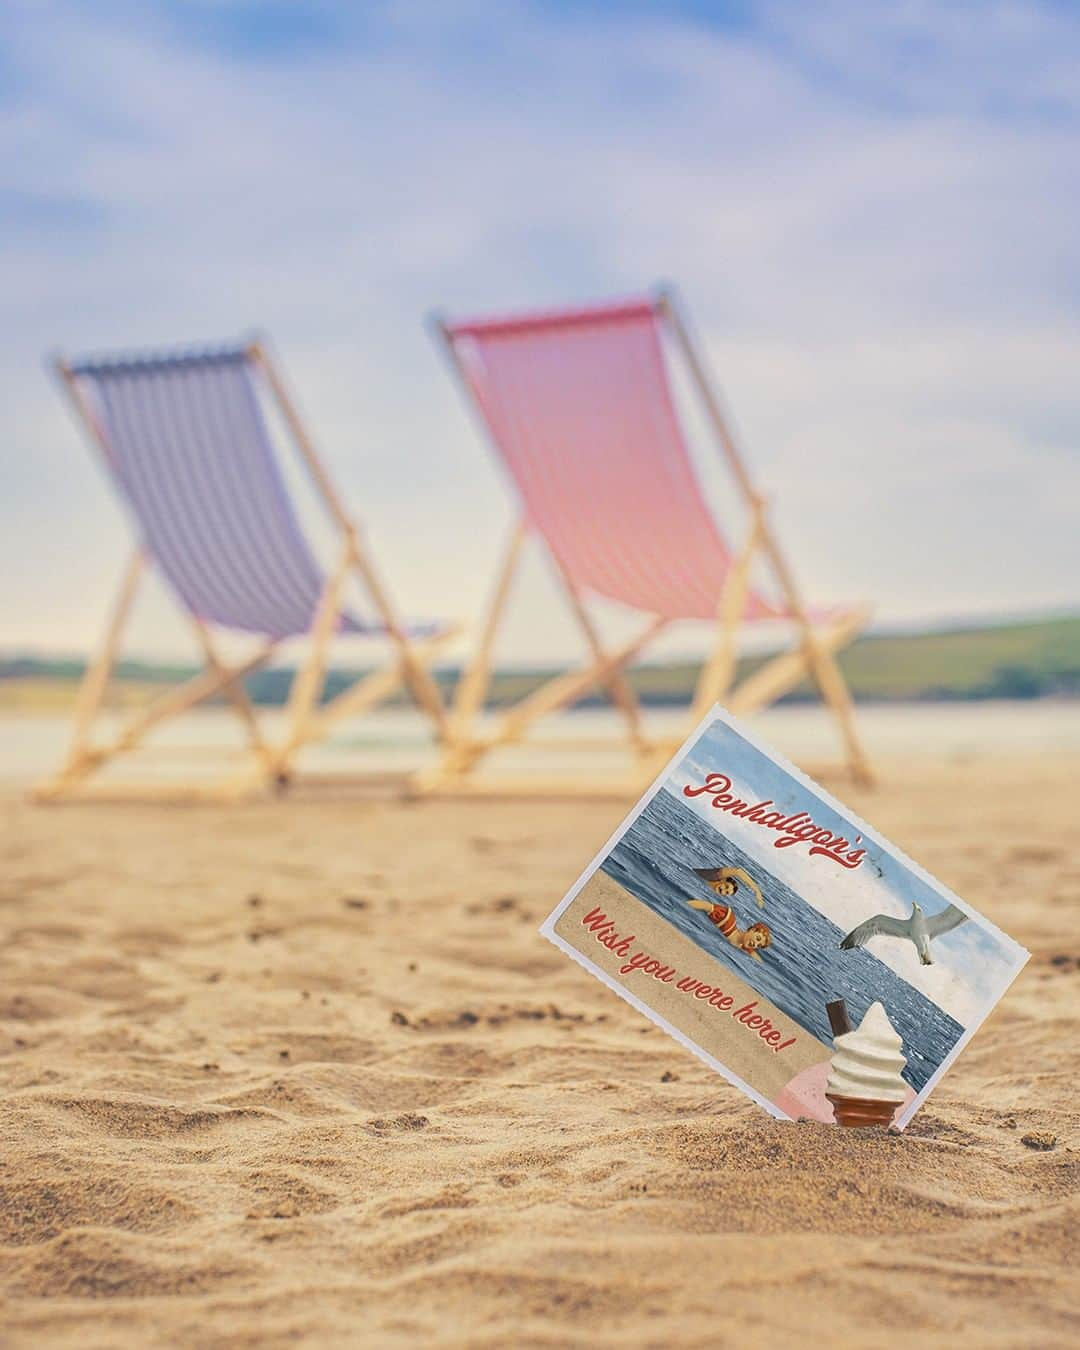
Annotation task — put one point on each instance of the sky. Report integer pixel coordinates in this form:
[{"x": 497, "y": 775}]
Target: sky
[
  {"x": 972, "y": 965},
  {"x": 869, "y": 211}
]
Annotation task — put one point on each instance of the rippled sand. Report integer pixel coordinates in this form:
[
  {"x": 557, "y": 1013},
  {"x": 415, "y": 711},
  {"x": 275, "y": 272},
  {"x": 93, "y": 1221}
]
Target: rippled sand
[{"x": 305, "y": 1073}]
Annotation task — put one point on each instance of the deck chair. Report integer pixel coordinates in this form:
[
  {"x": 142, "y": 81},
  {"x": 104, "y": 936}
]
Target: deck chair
[
  {"x": 581, "y": 413},
  {"x": 185, "y": 442}
]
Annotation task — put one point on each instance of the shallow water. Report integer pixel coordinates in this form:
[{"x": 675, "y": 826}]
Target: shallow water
[{"x": 31, "y": 745}]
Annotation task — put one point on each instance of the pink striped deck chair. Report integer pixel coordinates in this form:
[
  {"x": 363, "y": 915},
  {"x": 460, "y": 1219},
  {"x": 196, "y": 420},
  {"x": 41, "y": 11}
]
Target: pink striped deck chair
[
  {"x": 579, "y": 408},
  {"x": 186, "y": 444}
]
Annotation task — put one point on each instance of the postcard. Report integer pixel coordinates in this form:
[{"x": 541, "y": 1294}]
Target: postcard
[{"x": 802, "y": 956}]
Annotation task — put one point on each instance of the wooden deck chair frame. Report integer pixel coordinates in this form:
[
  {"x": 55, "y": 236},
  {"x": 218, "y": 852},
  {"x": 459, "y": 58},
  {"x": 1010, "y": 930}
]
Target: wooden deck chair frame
[
  {"x": 306, "y": 721},
  {"x": 812, "y": 655}
]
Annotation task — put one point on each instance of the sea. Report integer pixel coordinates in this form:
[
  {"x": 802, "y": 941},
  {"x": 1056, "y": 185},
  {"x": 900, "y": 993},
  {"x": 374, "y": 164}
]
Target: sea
[
  {"x": 804, "y": 969},
  {"x": 33, "y": 743}
]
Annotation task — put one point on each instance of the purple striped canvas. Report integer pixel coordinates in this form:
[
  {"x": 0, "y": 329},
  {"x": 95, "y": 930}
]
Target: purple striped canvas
[{"x": 192, "y": 456}]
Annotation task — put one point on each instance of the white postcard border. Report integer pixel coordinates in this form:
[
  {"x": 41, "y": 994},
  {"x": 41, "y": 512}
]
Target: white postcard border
[{"x": 717, "y": 713}]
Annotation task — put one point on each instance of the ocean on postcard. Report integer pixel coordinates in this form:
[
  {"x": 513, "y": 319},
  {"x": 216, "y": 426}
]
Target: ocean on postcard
[{"x": 804, "y": 968}]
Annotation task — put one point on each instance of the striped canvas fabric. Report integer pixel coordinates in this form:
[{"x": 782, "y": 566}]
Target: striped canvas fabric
[
  {"x": 581, "y": 412},
  {"x": 191, "y": 454}
]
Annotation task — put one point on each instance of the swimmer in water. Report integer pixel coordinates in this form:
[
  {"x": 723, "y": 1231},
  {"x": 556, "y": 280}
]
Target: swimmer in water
[{"x": 725, "y": 881}]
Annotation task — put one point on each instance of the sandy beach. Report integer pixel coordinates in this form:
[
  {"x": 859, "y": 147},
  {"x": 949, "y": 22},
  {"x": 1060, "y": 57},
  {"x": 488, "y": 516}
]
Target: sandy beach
[{"x": 305, "y": 1073}]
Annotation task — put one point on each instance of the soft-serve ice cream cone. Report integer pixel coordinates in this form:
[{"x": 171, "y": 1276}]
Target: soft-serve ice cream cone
[{"x": 865, "y": 1084}]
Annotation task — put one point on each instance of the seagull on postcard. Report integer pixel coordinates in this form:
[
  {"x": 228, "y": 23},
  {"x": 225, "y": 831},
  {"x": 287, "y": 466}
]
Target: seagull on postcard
[{"x": 918, "y": 928}]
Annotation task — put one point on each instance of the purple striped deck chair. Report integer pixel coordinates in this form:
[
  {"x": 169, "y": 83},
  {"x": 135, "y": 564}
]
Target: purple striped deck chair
[
  {"x": 187, "y": 446},
  {"x": 579, "y": 408}
]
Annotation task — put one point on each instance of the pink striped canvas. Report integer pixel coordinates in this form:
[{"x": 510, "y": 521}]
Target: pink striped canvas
[{"x": 580, "y": 409}]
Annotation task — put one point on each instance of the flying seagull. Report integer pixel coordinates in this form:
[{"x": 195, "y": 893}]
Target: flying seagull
[{"x": 917, "y": 928}]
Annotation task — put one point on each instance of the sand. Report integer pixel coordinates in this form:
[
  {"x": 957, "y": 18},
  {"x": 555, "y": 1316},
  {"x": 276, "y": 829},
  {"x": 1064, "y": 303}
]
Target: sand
[{"x": 304, "y": 1073}]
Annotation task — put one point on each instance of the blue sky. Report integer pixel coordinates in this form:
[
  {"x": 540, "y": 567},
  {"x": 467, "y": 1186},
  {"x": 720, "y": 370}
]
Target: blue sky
[
  {"x": 869, "y": 209},
  {"x": 972, "y": 964}
]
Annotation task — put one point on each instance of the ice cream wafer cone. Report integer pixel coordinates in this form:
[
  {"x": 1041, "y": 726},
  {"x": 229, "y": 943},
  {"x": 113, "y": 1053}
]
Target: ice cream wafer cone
[{"x": 860, "y": 1112}]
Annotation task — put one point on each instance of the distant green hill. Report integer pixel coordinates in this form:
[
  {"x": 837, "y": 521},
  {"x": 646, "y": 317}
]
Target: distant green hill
[
  {"x": 1018, "y": 660},
  {"x": 1021, "y": 660}
]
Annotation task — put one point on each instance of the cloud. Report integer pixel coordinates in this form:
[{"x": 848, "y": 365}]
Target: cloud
[{"x": 867, "y": 209}]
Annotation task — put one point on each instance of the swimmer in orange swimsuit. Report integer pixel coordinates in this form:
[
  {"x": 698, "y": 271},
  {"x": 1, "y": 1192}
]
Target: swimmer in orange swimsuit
[{"x": 725, "y": 881}]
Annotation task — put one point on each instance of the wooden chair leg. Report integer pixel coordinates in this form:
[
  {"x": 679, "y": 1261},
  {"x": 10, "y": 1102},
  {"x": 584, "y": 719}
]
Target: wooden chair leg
[
  {"x": 419, "y": 680},
  {"x": 719, "y": 671},
  {"x": 834, "y": 690},
  {"x": 422, "y": 685},
  {"x": 372, "y": 690},
  {"x": 474, "y": 681},
  {"x": 236, "y": 694},
  {"x": 782, "y": 673},
  {"x": 309, "y": 679},
  {"x": 559, "y": 692},
  {"x": 416, "y": 675},
  {"x": 827, "y": 675},
  {"x": 80, "y": 759},
  {"x": 167, "y": 705},
  {"x": 178, "y": 700},
  {"x": 567, "y": 689},
  {"x": 617, "y": 684}
]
